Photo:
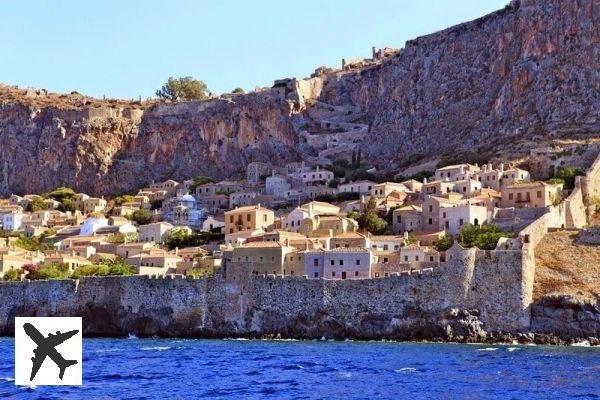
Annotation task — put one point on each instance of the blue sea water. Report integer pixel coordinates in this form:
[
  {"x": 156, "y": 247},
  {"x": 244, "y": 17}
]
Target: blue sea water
[{"x": 244, "y": 369}]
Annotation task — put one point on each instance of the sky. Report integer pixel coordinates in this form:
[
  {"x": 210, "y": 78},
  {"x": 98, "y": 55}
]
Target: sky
[{"x": 128, "y": 48}]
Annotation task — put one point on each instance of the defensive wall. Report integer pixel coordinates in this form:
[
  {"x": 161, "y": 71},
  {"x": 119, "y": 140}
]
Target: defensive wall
[{"x": 423, "y": 303}]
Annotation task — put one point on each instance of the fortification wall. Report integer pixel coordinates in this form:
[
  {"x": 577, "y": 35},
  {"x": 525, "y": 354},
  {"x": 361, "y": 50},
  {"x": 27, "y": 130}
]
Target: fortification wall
[{"x": 438, "y": 303}]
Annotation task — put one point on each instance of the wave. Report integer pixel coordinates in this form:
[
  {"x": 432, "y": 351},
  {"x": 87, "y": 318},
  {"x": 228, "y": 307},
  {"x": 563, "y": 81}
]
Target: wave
[
  {"x": 583, "y": 343},
  {"x": 406, "y": 369},
  {"x": 131, "y": 336},
  {"x": 512, "y": 348},
  {"x": 159, "y": 348},
  {"x": 488, "y": 349}
]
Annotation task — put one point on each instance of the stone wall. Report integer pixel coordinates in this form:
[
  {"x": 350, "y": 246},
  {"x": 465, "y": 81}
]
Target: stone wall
[{"x": 431, "y": 304}]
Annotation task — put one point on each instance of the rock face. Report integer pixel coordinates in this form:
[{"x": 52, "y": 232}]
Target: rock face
[
  {"x": 566, "y": 317},
  {"x": 528, "y": 71}
]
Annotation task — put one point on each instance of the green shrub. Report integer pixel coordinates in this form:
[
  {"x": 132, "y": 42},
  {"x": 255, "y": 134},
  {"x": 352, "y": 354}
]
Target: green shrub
[
  {"x": 142, "y": 216},
  {"x": 484, "y": 237},
  {"x": 12, "y": 275},
  {"x": 53, "y": 271}
]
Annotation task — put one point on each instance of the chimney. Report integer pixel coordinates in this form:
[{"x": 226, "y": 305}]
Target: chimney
[
  {"x": 317, "y": 167},
  {"x": 485, "y": 167},
  {"x": 257, "y": 206},
  {"x": 462, "y": 169},
  {"x": 406, "y": 235},
  {"x": 501, "y": 167},
  {"x": 424, "y": 181},
  {"x": 373, "y": 52},
  {"x": 176, "y": 250}
]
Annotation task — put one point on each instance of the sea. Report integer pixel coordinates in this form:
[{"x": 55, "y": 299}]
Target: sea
[{"x": 281, "y": 369}]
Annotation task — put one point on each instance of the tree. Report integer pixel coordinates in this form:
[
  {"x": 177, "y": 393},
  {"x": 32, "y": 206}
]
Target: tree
[
  {"x": 52, "y": 271},
  {"x": 11, "y": 275},
  {"x": 67, "y": 205},
  {"x": 444, "y": 243},
  {"x": 125, "y": 198},
  {"x": 370, "y": 221},
  {"x": 484, "y": 237},
  {"x": 567, "y": 175},
  {"x": 36, "y": 204},
  {"x": 180, "y": 238},
  {"x": 61, "y": 193},
  {"x": 200, "y": 180},
  {"x": 182, "y": 89},
  {"x": 359, "y": 158},
  {"x": 238, "y": 90},
  {"x": 142, "y": 216}
]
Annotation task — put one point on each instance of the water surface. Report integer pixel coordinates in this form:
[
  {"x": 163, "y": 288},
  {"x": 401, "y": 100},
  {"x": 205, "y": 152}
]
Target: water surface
[{"x": 164, "y": 368}]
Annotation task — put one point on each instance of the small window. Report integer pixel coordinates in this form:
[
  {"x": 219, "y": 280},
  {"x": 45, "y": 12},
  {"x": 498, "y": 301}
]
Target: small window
[
  {"x": 357, "y": 262},
  {"x": 316, "y": 275},
  {"x": 341, "y": 262},
  {"x": 332, "y": 262},
  {"x": 355, "y": 273},
  {"x": 316, "y": 262},
  {"x": 332, "y": 273}
]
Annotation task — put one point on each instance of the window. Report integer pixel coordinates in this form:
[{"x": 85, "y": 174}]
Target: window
[
  {"x": 430, "y": 221},
  {"x": 357, "y": 262},
  {"x": 461, "y": 222},
  {"x": 332, "y": 262},
  {"x": 431, "y": 258},
  {"x": 444, "y": 214},
  {"x": 332, "y": 273},
  {"x": 398, "y": 219},
  {"x": 316, "y": 262},
  {"x": 510, "y": 196},
  {"x": 316, "y": 275},
  {"x": 539, "y": 194},
  {"x": 355, "y": 273},
  {"x": 416, "y": 258},
  {"x": 406, "y": 258},
  {"x": 341, "y": 262}
]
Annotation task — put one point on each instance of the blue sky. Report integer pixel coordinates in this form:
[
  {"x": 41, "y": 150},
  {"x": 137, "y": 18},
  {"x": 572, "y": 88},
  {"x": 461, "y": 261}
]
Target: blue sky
[{"x": 129, "y": 48}]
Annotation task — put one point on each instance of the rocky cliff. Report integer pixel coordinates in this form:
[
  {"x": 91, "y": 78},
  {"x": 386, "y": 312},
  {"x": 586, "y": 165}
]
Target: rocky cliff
[{"x": 524, "y": 74}]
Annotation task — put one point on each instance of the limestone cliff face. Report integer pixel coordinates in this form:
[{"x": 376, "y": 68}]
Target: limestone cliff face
[
  {"x": 107, "y": 149},
  {"x": 531, "y": 68},
  {"x": 529, "y": 71}
]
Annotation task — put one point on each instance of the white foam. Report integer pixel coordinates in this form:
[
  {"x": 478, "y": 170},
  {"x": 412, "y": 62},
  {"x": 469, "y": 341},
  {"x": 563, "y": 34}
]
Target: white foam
[
  {"x": 512, "y": 348},
  {"x": 488, "y": 349},
  {"x": 159, "y": 348},
  {"x": 583, "y": 343},
  {"x": 406, "y": 369}
]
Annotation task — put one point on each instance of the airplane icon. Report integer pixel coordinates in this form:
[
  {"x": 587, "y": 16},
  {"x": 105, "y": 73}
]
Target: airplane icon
[{"x": 46, "y": 347}]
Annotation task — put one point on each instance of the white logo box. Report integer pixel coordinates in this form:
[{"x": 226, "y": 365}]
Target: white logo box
[{"x": 55, "y": 343}]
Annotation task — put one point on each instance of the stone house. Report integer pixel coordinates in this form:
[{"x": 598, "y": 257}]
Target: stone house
[
  {"x": 277, "y": 186},
  {"x": 413, "y": 185},
  {"x": 79, "y": 200},
  {"x": 340, "y": 263},
  {"x": 317, "y": 176},
  {"x": 11, "y": 221},
  {"x": 349, "y": 240},
  {"x": 241, "y": 198},
  {"x": 154, "y": 262},
  {"x": 248, "y": 218},
  {"x": 293, "y": 220},
  {"x": 128, "y": 250},
  {"x": 387, "y": 242},
  {"x": 490, "y": 177},
  {"x": 453, "y": 219},
  {"x": 264, "y": 257},
  {"x": 416, "y": 254},
  {"x": 214, "y": 222},
  {"x": 467, "y": 187},
  {"x": 437, "y": 188},
  {"x": 381, "y": 190},
  {"x": 256, "y": 170},
  {"x": 514, "y": 175},
  {"x": 360, "y": 187},
  {"x": 407, "y": 219},
  {"x": 327, "y": 226},
  {"x": 155, "y": 233},
  {"x": 456, "y": 172},
  {"x": 531, "y": 194},
  {"x": 93, "y": 205},
  {"x": 50, "y": 204},
  {"x": 431, "y": 210}
]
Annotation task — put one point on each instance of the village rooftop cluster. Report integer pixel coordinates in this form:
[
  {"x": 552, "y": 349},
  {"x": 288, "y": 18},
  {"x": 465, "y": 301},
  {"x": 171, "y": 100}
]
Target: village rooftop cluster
[{"x": 273, "y": 222}]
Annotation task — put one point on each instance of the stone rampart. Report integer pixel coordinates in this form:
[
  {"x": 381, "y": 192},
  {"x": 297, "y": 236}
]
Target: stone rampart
[{"x": 421, "y": 304}]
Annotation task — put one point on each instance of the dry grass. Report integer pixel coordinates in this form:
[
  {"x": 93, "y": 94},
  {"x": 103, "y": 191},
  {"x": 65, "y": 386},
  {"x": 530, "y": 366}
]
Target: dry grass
[
  {"x": 564, "y": 266},
  {"x": 40, "y": 98}
]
